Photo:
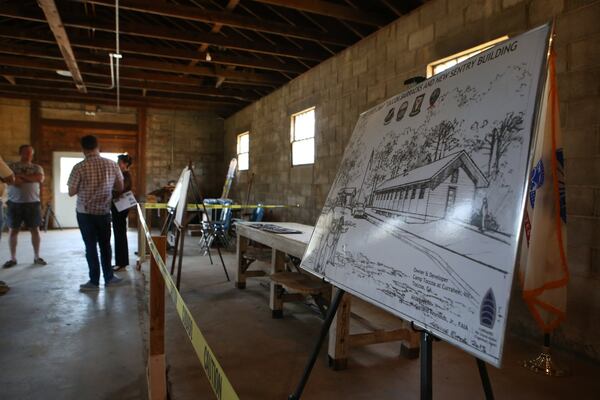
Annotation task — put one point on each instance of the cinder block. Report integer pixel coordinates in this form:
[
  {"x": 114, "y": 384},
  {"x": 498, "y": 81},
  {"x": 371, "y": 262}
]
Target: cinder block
[
  {"x": 541, "y": 11},
  {"x": 421, "y": 37}
]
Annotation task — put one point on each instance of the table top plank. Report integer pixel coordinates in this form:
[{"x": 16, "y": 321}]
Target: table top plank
[{"x": 293, "y": 244}]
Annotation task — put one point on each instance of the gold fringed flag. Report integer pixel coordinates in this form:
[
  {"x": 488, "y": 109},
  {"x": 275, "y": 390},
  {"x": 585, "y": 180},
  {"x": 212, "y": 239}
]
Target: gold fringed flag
[{"x": 543, "y": 267}]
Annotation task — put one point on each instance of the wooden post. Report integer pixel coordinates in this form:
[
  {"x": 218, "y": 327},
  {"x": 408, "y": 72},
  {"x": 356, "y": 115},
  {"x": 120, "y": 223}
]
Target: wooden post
[
  {"x": 141, "y": 241},
  {"x": 275, "y": 298},
  {"x": 339, "y": 334},
  {"x": 157, "y": 382},
  {"x": 240, "y": 276}
]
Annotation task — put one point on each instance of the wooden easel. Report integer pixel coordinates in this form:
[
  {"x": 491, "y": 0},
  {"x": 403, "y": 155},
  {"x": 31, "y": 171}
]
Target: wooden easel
[{"x": 181, "y": 224}]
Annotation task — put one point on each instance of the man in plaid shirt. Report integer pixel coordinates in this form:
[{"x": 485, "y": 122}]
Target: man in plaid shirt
[{"x": 93, "y": 181}]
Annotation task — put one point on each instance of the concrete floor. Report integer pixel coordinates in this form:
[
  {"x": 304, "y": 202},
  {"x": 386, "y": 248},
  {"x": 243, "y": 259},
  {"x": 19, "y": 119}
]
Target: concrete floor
[{"x": 57, "y": 343}]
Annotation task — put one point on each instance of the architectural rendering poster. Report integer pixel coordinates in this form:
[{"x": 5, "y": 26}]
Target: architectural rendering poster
[{"x": 424, "y": 214}]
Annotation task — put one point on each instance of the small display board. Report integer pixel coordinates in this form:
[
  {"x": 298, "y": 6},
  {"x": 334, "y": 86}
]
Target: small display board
[
  {"x": 424, "y": 215},
  {"x": 183, "y": 193}
]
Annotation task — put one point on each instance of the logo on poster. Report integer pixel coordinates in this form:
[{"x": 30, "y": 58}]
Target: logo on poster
[
  {"x": 417, "y": 105},
  {"x": 487, "y": 310}
]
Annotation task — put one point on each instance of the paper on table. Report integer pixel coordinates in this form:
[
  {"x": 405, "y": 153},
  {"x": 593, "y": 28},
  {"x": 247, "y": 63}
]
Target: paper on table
[{"x": 127, "y": 200}]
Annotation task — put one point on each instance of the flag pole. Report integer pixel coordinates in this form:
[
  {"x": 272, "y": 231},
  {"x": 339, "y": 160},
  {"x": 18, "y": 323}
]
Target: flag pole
[{"x": 543, "y": 363}]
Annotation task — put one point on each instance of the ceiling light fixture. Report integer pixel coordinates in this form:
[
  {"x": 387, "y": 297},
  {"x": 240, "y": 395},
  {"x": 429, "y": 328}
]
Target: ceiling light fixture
[
  {"x": 208, "y": 57},
  {"x": 64, "y": 72}
]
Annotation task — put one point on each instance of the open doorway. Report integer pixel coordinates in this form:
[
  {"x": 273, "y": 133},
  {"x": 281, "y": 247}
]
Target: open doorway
[{"x": 64, "y": 206}]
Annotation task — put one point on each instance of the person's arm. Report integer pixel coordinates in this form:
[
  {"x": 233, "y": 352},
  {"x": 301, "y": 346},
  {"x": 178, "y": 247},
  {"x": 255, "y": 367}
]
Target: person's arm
[
  {"x": 37, "y": 176},
  {"x": 73, "y": 182},
  {"x": 118, "y": 185},
  {"x": 6, "y": 174}
]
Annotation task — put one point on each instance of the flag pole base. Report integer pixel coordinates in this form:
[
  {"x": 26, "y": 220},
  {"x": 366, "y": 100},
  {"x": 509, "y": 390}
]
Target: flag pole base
[{"x": 543, "y": 364}]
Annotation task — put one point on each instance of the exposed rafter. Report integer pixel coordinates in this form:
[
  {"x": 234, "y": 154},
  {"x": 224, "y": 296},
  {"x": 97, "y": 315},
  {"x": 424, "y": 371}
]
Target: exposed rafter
[
  {"x": 225, "y": 18},
  {"x": 331, "y": 10},
  {"x": 217, "y": 55},
  {"x": 56, "y": 25}
]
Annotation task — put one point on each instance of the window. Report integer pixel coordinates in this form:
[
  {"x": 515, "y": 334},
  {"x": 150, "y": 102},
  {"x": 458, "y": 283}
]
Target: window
[
  {"x": 422, "y": 191},
  {"x": 454, "y": 178},
  {"x": 243, "y": 151},
  {"x": 414, "y": 192},
  {"x": 67, "y": 164},
  {"x": 441, "y": 65},
  {"x": 303, "y": 137}
]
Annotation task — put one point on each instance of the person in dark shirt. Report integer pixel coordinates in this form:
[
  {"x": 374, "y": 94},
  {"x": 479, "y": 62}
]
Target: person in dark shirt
[{"x": 119, "y": 218}]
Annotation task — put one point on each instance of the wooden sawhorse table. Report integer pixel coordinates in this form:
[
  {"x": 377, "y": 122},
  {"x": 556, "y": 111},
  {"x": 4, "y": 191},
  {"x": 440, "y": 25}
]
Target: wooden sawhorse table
[{"x": 340, "y": 338}]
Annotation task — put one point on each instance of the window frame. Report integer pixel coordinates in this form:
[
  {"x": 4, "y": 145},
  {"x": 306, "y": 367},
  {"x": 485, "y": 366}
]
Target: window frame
[
  {"x": 237, "y": 150},
  {"x": 470, "y": 52},
  {"x": 313, "y": 137}
]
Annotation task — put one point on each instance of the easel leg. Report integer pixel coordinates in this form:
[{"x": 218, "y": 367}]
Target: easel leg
[
  {"x": 426, "y": 366},
  {"x": 223, "y": 263},
  {"x": 315, "y": 353},
  {"x": 175, "y": 248},
  {"x": 485, "y": 380},
  {"x": 180, "y": 262}
]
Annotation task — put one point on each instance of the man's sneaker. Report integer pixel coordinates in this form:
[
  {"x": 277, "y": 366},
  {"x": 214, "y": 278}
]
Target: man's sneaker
[
  {"x": 40, "y": 261},
  {"x": 88, "y": 287},
  {"x": 9, "y": 263},
  {"x": 114, "y": 281},
  {"x": 118, "y": 267}
]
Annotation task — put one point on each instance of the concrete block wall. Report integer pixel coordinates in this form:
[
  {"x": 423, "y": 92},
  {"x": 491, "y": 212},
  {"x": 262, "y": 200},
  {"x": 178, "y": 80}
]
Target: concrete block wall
[
  {"x": 195, "y": 136},
  {"x": 14, "y": 127},
  {"x": 375, "y": 68},
  {"x": 176, "y": 137}
]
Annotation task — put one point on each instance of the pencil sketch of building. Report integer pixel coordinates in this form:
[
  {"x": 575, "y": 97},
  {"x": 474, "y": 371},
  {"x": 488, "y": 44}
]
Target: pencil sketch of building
[
  {"x": 441, "y": 189},
  {"x": 423, "y": 217}
]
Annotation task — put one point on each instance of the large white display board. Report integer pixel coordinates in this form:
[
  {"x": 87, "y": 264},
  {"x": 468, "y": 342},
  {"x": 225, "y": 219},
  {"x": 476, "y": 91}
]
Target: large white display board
[{"x": 424, "y": 215}]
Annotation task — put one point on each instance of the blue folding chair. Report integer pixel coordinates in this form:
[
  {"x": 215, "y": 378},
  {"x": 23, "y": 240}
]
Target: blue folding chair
[{"x": 216, "y": 228}]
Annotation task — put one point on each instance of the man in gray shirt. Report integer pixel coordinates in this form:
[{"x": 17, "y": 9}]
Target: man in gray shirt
[{"x": 23, "y": 204}]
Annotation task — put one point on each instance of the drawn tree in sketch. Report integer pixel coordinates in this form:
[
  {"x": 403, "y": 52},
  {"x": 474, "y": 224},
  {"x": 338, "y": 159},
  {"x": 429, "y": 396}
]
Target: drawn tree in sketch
[
  {"x": 497, "y": 141},
  {"x": 442, "y": 139}
]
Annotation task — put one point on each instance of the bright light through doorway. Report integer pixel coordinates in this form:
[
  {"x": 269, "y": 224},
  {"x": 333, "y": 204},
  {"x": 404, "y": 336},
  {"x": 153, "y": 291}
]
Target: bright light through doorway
[{"x": 67, "y": 164}]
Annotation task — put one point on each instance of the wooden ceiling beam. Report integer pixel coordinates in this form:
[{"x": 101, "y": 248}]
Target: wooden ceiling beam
[
  {"x": 11, "y": 79},
  {"x": 157, "y": 51},
  {"x": 246, "y": 96},
  {"x": 164, "y": 33},
  {"x": 142, "y": 102},
  {"x": 132, "y": 63},
  {"x": 60, "y": 34},
  {"x": 40, "y": 91},
  {"x": 332, "y": 10},
  {"x": 197, "y": 14}
]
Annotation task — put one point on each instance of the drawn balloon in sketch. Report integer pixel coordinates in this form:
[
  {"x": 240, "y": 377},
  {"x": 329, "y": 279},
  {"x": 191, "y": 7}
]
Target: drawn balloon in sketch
[
  {"x": 434, "y": 96},
  {"x": 402, "y": 111},
  {"x": 389, "y": 116}
]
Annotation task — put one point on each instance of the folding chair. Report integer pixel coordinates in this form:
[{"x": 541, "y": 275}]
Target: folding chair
[{"x": 217, "y": 227}]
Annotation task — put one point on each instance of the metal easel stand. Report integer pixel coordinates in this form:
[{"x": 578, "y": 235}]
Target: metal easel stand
[
  {"x": 315, "y": 353},
  {"x": 49, "y": 213},
  {"x": 197, "y": 195},
  {"x": 543, "y": 363},
  {"x": 427, "y": 339}
]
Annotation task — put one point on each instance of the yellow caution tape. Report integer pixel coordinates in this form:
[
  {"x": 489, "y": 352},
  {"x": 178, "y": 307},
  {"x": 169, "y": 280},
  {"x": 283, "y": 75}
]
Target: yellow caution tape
[
  {"x": 214, "y": 372},
  {"x": 196, "y": 207}
]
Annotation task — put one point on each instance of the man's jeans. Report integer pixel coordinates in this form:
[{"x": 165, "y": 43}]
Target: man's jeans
[{"x": 95, "y": 230}]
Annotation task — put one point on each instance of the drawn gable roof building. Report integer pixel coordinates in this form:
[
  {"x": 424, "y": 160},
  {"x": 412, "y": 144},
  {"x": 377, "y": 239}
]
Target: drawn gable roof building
[{"x": 443, "y": 188}]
